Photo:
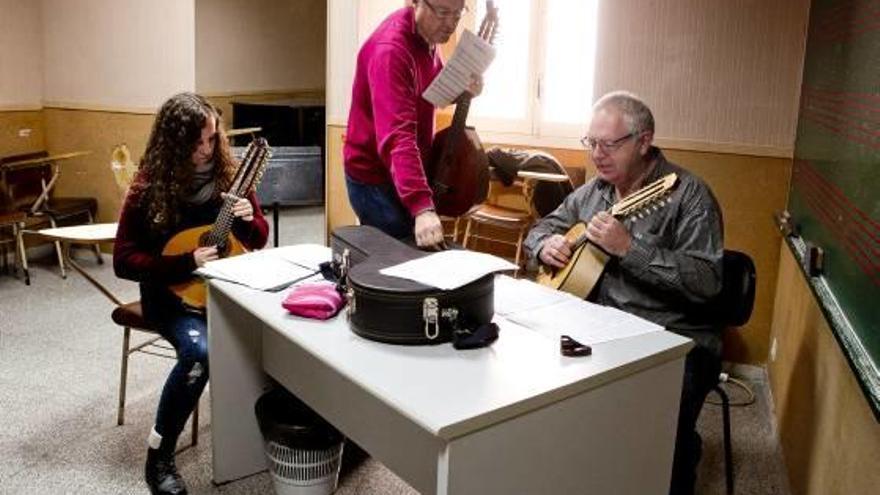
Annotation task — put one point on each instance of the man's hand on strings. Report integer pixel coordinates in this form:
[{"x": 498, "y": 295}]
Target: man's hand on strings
[
  {"x": 608, "y": 233},
  {"x": 556, "y": 251}
]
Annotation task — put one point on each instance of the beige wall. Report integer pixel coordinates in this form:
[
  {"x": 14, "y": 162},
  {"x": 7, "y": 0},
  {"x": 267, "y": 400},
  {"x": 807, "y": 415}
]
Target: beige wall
[
  {"x": 337, "y": 209},
  {"x": 249, "y": 46},
  {"x": 99, "y": 132},
  {"x": 719, "y": 75},
  {"x": 748, "y": 227},
  {"x": 108, "y": 66},
  {"x": 349, "y": 24},
  {"x": 830, "y": 438},
  {"x": 21, "y": 45},
  {"x": 21, "y": 132},
  {"x": 117, "y": 55}
]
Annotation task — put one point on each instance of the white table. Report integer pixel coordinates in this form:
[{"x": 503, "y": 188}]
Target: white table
[
  {"x": 514, "y": 418},
  {"x": 91, "y": 234}
]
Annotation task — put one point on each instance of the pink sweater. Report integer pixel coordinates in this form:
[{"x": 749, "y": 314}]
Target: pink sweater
[{"x": 390, "y": 125}]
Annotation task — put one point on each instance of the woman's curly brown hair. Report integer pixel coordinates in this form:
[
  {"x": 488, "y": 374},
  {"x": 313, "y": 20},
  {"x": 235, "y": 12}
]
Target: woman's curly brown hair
[{"x": 167, "y": 168}]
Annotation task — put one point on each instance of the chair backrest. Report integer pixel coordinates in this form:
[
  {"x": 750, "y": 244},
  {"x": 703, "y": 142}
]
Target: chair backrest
[
  {"x": 546, "y": 195},
  {"x": 22, "y": 186},
  {"x": 737, "y": 297}
]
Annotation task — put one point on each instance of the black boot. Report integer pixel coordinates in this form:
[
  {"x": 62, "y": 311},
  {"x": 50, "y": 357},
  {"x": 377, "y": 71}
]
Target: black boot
[{"x": 161, "y": 474}]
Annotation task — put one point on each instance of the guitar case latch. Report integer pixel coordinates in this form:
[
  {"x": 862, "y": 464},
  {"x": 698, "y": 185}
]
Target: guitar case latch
[{"x": 431, "y": 315}]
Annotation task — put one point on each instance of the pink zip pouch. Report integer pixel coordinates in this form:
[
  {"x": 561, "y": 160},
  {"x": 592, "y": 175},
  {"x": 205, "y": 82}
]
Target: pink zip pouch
[{"x": 318, "y": 300}]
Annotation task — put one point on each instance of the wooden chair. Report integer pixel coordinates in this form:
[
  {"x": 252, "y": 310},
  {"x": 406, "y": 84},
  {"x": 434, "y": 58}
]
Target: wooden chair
[
  {"x": 452, "y": 229},
  {"x": 19, "y": 189},
  {"x": 14, "y": 221},
  {"x": 483, "y": 219},
  {"x": 28, "y": 182},
  {"x": 130, "y": 316}
]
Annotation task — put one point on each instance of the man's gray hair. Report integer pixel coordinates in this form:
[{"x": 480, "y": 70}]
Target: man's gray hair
[{"x": 636, "y": 114}]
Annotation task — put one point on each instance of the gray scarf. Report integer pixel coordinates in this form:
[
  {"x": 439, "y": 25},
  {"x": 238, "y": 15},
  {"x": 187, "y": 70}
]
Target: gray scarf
[{"x": 201, "y": 187}]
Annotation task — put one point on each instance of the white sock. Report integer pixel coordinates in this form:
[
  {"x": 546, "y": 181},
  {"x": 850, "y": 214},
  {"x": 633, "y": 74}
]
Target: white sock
[{"x": 155, "y": 439}]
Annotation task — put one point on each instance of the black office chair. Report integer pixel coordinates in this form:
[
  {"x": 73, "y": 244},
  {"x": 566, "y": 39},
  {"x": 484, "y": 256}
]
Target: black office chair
[{"x": 734, "y": 305}]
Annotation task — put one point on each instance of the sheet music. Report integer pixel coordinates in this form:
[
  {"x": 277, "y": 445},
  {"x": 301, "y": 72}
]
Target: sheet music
[
  {"x": 584, "y": 321},
  {"x": 449, "y": 269},
  {"x": 514, "y": 295},
  {"x": 472, "y": 56},
  {"x": 263, "y": 270}
]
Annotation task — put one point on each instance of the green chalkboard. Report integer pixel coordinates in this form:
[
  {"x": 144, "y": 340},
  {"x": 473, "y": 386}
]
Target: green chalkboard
[{"x": 835, "y": 190}]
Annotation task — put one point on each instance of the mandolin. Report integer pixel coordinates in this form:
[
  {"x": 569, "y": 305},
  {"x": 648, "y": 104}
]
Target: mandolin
[
  {"x": 193, "y": 292},
  {"x": 587, "y": 262},
  {"x": 458, "y": 170}
]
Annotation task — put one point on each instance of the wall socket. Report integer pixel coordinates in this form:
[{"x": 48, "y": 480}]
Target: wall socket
[{"x": 24, "y": 133}]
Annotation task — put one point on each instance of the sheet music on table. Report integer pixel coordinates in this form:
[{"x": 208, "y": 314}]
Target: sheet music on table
[
  {"x": 472, "y": 56},
  {"x": 449, "y": 269},
  {"x": 269, "y": 269},
  {"x": 513, "y": 295},
  {"x": 553, "y": 313}
]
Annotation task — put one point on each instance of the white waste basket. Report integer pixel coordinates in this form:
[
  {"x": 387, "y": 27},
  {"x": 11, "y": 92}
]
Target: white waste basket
[{"x": 303, "y": 450}]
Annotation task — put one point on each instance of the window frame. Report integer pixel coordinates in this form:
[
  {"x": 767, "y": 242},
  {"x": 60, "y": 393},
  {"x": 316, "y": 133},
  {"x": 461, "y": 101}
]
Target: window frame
[{"x": 532, "y": 130}]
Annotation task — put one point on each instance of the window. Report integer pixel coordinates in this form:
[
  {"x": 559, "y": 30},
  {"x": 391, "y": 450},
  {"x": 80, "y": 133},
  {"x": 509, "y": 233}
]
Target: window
[{"x": 540, "y": 84}]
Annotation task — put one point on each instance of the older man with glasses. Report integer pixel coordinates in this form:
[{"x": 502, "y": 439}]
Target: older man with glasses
[
  {"x": 390, "y": 125},
  {"x": 663, "y": 267}
]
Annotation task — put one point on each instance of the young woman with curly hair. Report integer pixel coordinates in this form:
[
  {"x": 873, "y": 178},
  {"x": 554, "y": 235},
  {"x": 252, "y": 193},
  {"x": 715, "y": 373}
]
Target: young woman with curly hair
[{"x": 180, "y": 183}]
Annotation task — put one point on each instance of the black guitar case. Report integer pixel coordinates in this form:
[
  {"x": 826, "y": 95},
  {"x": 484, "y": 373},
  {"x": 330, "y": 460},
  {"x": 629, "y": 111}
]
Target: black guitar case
[{"x": 396, "y": 310}]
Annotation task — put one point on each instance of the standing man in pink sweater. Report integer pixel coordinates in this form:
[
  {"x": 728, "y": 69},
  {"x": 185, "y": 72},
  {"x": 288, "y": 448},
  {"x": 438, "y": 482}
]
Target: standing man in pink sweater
[{"x": 390, "y": 125}]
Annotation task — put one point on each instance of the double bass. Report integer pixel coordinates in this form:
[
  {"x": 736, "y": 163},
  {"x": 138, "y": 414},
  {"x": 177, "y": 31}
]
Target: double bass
[{"x": 458, "y": 170}]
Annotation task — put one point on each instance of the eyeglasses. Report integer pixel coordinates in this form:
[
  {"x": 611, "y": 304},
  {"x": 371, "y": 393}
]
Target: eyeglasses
[
  {"x": 445, "y": 14},
  {"x": 608, "y": 146}
]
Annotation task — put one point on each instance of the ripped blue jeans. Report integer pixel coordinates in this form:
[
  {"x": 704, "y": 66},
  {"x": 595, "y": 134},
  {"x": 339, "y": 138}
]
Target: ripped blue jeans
[{"x": 188, "y": 333}]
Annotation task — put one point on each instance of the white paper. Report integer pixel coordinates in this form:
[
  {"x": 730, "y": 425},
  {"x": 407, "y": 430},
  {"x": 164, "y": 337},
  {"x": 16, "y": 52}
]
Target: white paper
[
  {"x": 584, "y": 321},
  {"x": 514, "y": 295},
  {"x": 262, "y": 270},
  {"x": 472, "y": 57},
  {"x": 306, "y": 255},
  {"x": 449, "y": 269}
]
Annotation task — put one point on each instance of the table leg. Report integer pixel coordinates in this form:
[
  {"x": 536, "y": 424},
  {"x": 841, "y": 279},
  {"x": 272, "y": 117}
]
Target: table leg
[
  {"x": 92, "y": 280},
  {"x": 21, "y": 251},
  {"x": 237, "y": 381}
]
